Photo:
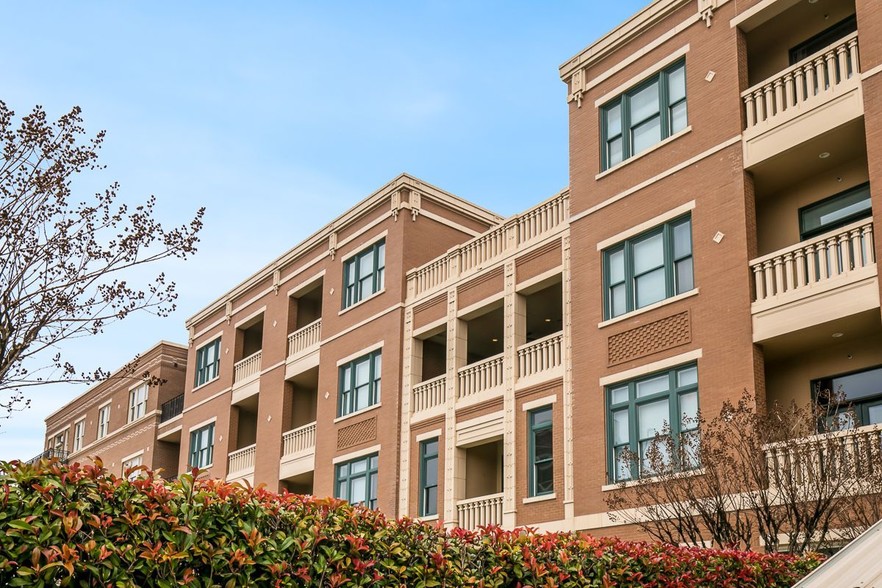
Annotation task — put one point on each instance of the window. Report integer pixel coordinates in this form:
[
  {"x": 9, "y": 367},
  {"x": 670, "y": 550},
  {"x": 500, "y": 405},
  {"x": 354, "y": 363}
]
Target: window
[
  {"x": 360, "y": 383},
  {"x": 643, "y": 116},
  {"x": 648, "y": 268},
  {"x": 363, "y": 273},
  {"x": 133, "y": 463},
  {"x": 207, "y": 362},
  {"x": 666, "y": 401},
  {"x": 202, "y": 446},
  {"x": 541, "y": 452},
  {"x": 79, "y": 435},
  {"x": 356, "y": 481},
  {"x": 138, "y": 402},
  {"x": 852, "y": 400},
  {"x": 103, "y": 421},
  {"x": 59, "y": 444},
  {"x": 823, "y": 39},
  {"x": 428, "y": 478},
  {"x": 834, "y": 212}
]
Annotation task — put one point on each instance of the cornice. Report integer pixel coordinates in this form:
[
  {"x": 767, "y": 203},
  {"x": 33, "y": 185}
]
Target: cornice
[
  {"x": 391, "y": 192},
  {"x": 625, "y": 32}
]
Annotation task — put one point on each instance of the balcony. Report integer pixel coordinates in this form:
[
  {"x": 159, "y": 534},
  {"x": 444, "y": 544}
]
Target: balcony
[
  {"x": 428, "y": 395},
  {"x": 171, "y": 408},
  {"x": 540, "y": 360},
  {"x": 473, "y": 513},
  {"x": 246, "y": 377},
  {"x": 472, "y": 256},
  {"x": 240, "y": 463},
  {"x": 810, "y": 98},
  {"x": 819, "y": 280},
  {"x": 483, "y": 376},
  {"x": 851, "y": 453},
  {"x": 298, "y": 451},
  {"x": 49, "y": 454},
  {"x": 303, "y": 346}
]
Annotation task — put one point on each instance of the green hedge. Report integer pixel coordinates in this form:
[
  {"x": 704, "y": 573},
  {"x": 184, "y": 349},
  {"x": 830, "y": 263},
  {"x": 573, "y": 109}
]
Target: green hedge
[{"x": 80, "y": 526}]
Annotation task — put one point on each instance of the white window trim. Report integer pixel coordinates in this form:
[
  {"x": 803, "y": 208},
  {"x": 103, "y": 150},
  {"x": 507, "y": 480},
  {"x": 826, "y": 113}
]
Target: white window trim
[
  {"x": 208, "y": 341},
  {"x": 540, "y": 498},
  {"x": 656, "y": 366},
  {"x": 644, "y": 153},
  {"x": 356, "y": 454},
  {"x": 360, "y": 353},
  {"x": 352, "y": 253},
  {"x": 434, "y": 433},
  {"x": 539, "y": 402},
  {"x": 132, "y": 456},
  {"x": 358, "y": 413},
  {"x": 647, "y": 308},
  {"x": 642, "y": 76},
  {"x": 202, "y": 424},
  {"x": 646, "y": 225}
]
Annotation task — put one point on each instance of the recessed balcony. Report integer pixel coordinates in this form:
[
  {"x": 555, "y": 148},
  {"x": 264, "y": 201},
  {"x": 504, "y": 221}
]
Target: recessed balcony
[
  {"x": 240, "y": 464},
  {"x": 429, "y": 397},
  {"x": 303, "y": 349},
  {"x": 298, "y": 452},
  {"x": 473, "y": 513},
  {"x": 246, "y": 377},
  {"x": 822, "y": 279},
  {"x": 811, "y": 97}
]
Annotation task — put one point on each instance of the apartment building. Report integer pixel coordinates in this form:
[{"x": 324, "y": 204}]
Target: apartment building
[
  {"x": 120, "y": 418},
  {"x": 294, "y": 374},
  {"x": 429, "y": 358}
]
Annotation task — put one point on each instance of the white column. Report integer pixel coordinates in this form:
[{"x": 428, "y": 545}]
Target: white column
[
  {"x": 411, "y": 366},
  {"x": 567, "y": 362},
  {"x": 515, "y": 333}
]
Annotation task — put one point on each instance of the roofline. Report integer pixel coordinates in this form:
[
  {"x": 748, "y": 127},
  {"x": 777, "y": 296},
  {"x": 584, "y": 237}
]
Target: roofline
[
  {"x": 347, "y": 218},
  {"x": 628, "y": 30},
  {"x": 156, "y": 346}
]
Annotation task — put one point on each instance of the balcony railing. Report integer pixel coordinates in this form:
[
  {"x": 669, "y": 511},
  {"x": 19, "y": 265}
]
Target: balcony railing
[
  {"x": 298, "y": 440},
  {"x": 853, "y": 453},
  {"x": 540, "y": 355},
  {"x": 429, "y": 394},
  {"x": 483, "y": 510},
  {"x": 171, "y": 408},
  {"x": 472, "y": 255},
  {"x": 246, "y": 368},
  {"x": 811, "y": 81},
  {"x": 480, "y": 376},
  {"x": 814, "y": 262},
  {"x": 304, "y": 338},
  {"x": 241, "y": 460},
  {"x": 59, "y": 454}
]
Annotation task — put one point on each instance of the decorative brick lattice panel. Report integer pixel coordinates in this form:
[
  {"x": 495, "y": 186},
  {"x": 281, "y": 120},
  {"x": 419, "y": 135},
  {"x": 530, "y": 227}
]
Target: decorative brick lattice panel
[
  {"x": 650, "y": 338},
  {"x": 357, "y": 433}
]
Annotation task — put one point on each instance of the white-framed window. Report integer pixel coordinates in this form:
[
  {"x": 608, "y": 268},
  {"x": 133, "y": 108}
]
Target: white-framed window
[
  {"x": 138, "y": 402},
  {"x": 58, "y": 443},
  {"x": 133, "y": 462},
  {"x": 207, "y": 362},
  {"x": 79, "y": 434},
  {"x": 103, "y": 421}
]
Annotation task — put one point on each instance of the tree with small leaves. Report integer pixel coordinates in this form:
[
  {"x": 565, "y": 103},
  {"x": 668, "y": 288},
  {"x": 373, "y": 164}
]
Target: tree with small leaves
[{"x": 65, "y": 261}]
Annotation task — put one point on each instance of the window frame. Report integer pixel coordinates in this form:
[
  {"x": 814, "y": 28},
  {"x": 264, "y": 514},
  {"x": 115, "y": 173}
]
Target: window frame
[
  {"x": 79, "y": 435},
  {"x": 354, "y": 292},
  {"x": 532, "y": 430},
  {"x": 425, "y": 456},
  {"x": 197, "y": 451},
  {"x": 674, "y": 417},
  {"x": 623, "y": 102},
  {"x": 207, "y": 373},
  {"x": 104, "y": 423},
  {"x": 806, "y": 234},
  {"x": 860, "y": 405},
  {"x": 138, "y": 408},
  {"x": 347, "y": 397},
  {"x": 670, "y": 265},
  {"x": 370, "y": 474}
]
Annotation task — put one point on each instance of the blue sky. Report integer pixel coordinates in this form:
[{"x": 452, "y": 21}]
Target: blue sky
[{"x": 278, "y": 116}]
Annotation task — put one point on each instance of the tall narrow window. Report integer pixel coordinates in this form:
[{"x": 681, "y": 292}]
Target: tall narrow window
[
  {"x": 103, "y": 420},
  {"x": 363, "y": 273},
  {"x": 356, "y": 481},
  {"x": 202, "y": 446},
  {"x": 648, "y": 268},
  {"x": 138, "y": 402},
  {"x": 644, "y": 115},
  {"x": 428, "y": 478},
  {"x": 541, "y": 451},
  {"x": 360, "y": 383},
  {"x": 207, "y": 362},
  {"x": 641, "y": 409},
  {"x": 79, "y": 434}
]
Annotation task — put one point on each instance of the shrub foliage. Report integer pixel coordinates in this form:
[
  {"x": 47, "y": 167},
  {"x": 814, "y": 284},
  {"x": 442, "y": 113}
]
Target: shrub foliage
[{"x": 80, "y": 526}]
